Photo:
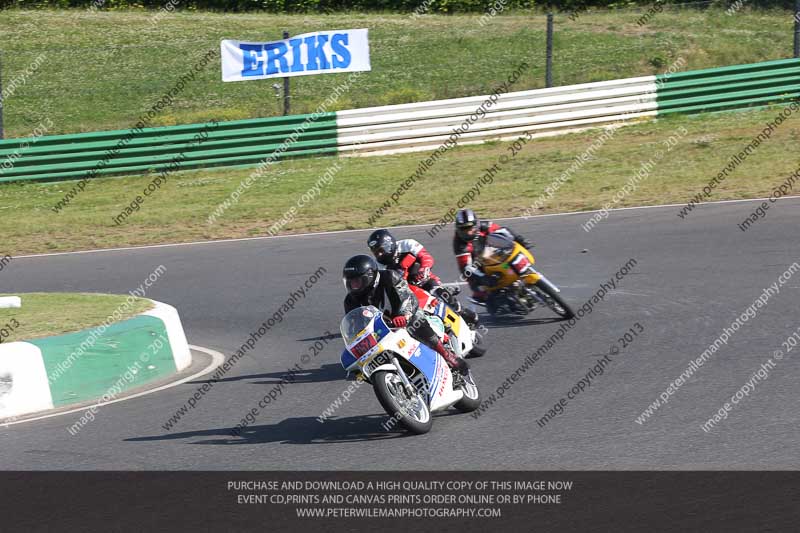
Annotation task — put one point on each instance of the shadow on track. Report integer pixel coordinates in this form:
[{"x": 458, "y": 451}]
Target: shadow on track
[
  {"x": 300, "y": 430},
  {"x": 516, "y": 322},
  {"x": 332, "y": 336},
  {"x": 326, "y": 372}
]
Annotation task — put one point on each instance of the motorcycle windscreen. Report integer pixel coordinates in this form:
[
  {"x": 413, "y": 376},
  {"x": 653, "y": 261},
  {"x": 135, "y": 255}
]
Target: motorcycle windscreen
[
  {"x": 431, "y": 365},
  {"x": 497, "y": 248},
  {"x": 362, "y": 329},
  {"x": 356, "y": 322}
]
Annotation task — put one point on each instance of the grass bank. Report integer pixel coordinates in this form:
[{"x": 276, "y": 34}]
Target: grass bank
[
  {"x": 47, "y": 314},
  {"x": 101, "y": 70},
  {"x": 180, "y": 209}
]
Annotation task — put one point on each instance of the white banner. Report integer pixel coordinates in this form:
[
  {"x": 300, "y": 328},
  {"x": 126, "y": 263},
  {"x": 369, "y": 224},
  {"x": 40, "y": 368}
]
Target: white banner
[{"x": 323, "y": 52}]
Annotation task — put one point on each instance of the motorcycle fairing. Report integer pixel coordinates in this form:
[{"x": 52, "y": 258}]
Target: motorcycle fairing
[
  {"x": 520, "y": 264},
  {"x": 437, "y": 375},
  {"x": 429, "y": 363},
  {"x": 366, "y": 343},
  {"x": 347, "y": 359}
]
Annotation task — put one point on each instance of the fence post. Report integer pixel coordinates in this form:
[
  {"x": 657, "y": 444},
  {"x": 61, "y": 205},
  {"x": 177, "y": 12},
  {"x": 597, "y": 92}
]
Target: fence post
[
  {"x": 549, "y": 66},
  {"x": 796, "y": 28},
  {"x": 286, "y": 96}
]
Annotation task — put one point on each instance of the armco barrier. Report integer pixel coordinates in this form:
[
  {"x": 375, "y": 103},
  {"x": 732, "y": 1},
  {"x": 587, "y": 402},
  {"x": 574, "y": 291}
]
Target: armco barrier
[
  {"x": 717, "y": 89},
  {"x": 241, "y": 142},
  {"x": 420, "y": 126},
  {"x": 404, "y": 127},
  {"x": 78, "y": 367}
]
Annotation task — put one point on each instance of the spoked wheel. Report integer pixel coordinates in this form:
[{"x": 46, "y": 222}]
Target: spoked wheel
[
  {"x": 519, "y": 308},
  {"x": 411, "y": 411},
  {"x": 472, "y": 396},
  {"x": 553, "y": 299}
]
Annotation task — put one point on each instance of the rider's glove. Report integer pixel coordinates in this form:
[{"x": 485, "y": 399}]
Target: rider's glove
[{"x": 399, "y": 321}]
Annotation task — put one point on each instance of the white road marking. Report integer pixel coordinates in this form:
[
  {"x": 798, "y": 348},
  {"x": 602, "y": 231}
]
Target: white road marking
[
  {"x": 216, "y": 360},
  {"x": 242, "y": 239}
]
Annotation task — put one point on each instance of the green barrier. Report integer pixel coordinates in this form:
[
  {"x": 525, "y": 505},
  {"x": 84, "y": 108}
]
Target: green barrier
[
  {"x": 317, "y": 130},
  {"x": 750, "y": 103},
  {"x": 288, "y": 123},
  {"x": 186, "y": 159},
  {"x": 127, "y": 355},
  {"x": 727, "y": 88},
  {"x": 715, "y": 72},
  {"x": 232, "y": 161},
  {"x": 234, "y": 143}
]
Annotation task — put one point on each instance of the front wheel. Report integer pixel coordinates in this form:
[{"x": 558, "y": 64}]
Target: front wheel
[
  {"x": 413, "y": 413},
  {"x": 472, "y": 396},
  {"x": 554, "y": 300}
]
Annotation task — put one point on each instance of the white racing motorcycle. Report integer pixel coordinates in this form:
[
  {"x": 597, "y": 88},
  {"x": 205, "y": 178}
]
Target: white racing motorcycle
[{"x": 410, "y": 379}]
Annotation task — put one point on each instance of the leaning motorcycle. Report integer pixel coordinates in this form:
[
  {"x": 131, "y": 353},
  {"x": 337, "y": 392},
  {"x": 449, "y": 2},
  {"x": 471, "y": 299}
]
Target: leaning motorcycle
[
  {"x": 410, "y": 380},
  {"x": 518, "y": 287}
]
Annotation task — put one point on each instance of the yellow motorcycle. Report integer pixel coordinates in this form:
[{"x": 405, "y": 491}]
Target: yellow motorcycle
[{"x": 518, "y": 288}]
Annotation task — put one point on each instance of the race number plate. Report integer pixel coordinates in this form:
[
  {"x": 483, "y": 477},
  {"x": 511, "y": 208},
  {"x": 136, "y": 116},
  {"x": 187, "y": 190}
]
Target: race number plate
[
  {"x": 363, "y": 346},
  {"x": 520, "y": 263}
]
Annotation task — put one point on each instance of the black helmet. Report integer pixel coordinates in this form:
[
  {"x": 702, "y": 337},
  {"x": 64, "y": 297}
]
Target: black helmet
[
  {"x": 466, "y": 224},
  {"x": 383, "y": 246},
  {"x": 359, "y": 274}
]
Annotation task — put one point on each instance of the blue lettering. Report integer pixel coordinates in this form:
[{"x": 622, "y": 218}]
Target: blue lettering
[
  {"x": 253, "y": 65},
  {"x": 339, "y": 43},
  {"x": 297, "y": 61},
  {"x": 316, "y": 55},
  {"x": 276, "y": 54}
]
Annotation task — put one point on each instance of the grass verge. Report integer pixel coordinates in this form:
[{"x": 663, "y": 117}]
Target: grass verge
[
  {"x": 178, "y": 212},
  {"x": 47, "y": 314}
]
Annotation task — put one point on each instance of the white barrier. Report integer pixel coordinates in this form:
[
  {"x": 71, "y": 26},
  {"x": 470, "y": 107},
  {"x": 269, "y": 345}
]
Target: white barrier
[
  {"x": 542, "y": 112},
  {"x": 24, "y": 380},
  {"x": 177, "y": 338},
  {"x": 8, "y": 302}
]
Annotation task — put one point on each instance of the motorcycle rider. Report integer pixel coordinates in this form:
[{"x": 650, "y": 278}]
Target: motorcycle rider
[
  {"x": 415, "y": 262},
  {"x": 468, "y": 241},
  {"x": 367, "y": 285}
]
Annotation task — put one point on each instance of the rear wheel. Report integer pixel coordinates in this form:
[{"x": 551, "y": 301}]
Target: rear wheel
[
  {"x": 554, "y": 300},
  {"x": 412, "y": 412}
]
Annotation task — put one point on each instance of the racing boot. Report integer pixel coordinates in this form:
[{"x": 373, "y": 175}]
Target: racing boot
[{"x": 453, "y": 361}]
